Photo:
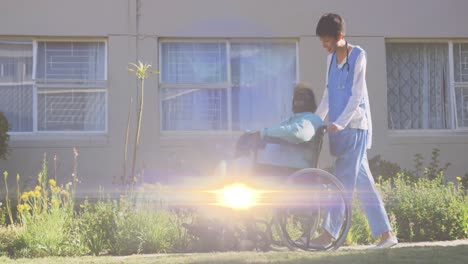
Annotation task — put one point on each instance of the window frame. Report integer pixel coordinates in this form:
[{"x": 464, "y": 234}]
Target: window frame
[
  {"x": 222, "y": 85},
  {"x": 455, "y": 129},
  {"x": 38, "y": 84}
]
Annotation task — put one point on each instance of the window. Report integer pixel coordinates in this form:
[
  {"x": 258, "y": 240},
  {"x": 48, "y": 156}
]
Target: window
[
  {"x": 427, "y": 85},
  {"x": 460, "y": 56},
  {"x": 61, "y": 86},
  {"x": 16, "y": 85},
  {"x": 225, "y": 85}
]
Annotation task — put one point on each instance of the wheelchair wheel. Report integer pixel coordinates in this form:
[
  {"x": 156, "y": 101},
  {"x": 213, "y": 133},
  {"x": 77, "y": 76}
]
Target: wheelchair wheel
[{"x": 301, "y": 223}]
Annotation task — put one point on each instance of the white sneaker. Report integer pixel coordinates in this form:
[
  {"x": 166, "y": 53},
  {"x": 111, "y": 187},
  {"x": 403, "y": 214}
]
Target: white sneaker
[{"x": 388, "y": 243}]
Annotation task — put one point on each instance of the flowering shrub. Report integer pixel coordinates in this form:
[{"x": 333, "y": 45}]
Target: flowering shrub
[
  {"x": 47, "y": 216},
  {"x": 421, "y": 204},
  {"x": 427, "y": 210},
  {"x": 118, "y": 228},
  {"x": 47, "y": 224}
]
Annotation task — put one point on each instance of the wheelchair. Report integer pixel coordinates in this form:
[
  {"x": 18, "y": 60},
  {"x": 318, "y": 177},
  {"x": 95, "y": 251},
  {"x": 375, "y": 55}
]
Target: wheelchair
[
  {"x": 298, "y": 208},
  {"x": 300, "y": 220}
]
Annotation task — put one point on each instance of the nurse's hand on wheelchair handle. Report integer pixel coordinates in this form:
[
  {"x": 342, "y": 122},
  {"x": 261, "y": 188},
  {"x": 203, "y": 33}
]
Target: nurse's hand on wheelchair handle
[{"x": 332, "y": 128}]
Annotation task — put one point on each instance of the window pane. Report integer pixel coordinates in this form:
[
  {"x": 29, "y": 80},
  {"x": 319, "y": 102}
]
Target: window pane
[
  {"x": 71, "y": 109},
  {"x": 193, "y": 62},
  {"x": 460, "y": 59},
  {"x": 194, "y": 109},
  {"x": 263, "y": 78},
  {"x": 16, "y": 93},
  {"x": 461, "y": 94},
  {"x": 418, "y": 91},
  {"x": 71, "y": 61}
]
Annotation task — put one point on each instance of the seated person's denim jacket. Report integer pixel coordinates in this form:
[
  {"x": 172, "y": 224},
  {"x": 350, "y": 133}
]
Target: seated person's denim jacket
[{"x": 298, "y": 130}]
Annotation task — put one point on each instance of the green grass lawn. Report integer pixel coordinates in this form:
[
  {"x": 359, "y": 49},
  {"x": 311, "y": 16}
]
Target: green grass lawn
[{"x": 426, "y": 255}]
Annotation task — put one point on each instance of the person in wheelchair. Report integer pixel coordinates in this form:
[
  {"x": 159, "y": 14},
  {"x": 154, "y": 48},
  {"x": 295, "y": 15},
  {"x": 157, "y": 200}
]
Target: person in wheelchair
[{"x": 286, "y": 147}]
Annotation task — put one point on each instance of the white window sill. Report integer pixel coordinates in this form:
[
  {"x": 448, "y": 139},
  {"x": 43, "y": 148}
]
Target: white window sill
[
  {"x": 190, "y": 138},
  {"x": 25, "y": 140},
  {"x": 443, "y": 136}
]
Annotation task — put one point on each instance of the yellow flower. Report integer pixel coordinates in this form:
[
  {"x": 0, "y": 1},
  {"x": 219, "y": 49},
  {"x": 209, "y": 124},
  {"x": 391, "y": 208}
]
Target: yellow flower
[
  {"x": 20, "y": 208},
  {"x": 24, "y": 196},
  {"x": 23, "y": 207},
  {"x": 54, "y": 202},
  {"x": 56, "y": 189},
  {"x": 37, "y": 194},
  {"x": 459, "y": 178},
  {"x": 31, "y": 194},
  {"x": 37, "y": 189},
  {"x": 52, "y": 182},
  {"x": 66, "y": 194}
]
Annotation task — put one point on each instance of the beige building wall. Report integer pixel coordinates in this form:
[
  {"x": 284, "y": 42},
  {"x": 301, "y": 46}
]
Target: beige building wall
[{"x": 132, "y": 29}]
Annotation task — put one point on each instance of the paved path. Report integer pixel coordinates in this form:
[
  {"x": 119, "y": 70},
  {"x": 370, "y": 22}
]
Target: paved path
[
  {"x": 417, "y": 244},
  {"x": 284, "y": 249}
]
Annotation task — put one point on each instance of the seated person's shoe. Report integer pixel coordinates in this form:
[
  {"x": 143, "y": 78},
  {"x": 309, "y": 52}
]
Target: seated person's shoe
[{"x": 387, "y": 243}]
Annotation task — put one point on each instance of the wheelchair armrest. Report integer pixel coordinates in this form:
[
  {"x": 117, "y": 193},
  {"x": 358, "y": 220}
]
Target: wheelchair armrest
[{"x": 274, "y": 140}]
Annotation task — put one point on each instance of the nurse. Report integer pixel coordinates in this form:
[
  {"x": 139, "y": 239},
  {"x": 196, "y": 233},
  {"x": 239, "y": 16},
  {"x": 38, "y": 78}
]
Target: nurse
[{"x": 345, "y": 101}]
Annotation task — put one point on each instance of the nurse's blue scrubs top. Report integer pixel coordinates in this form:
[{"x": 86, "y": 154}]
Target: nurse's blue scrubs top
[{"x": 346, "y": 99}]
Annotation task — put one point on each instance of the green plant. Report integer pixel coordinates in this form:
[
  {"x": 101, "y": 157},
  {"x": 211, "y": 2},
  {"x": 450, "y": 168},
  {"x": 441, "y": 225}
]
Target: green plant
[
  {"x": 47, "y": 217},
  {"x": 4, "y": 137},
  {"x": 384, "y": 169},
  {"x": 123, "y": 178},
  {"x": 144, "y": 230},
  {"x": 359, "y": 233},
  {"x": 119, "y": 228},
  {"x": 54, "y": 233},
  {"x": 431, "y": 172},
  {"x": 142, "y": 72},
  {"x": 10, "y": 240},
  {"x": 7, "y": 198},
  {"x": 434, "y": 168},
  {"x": 98, "y": 225},
  {"x": 132, "y": 236},
  {"x": 427, "y": 210},
  {"x": 3, "y": 214},
  {"x": 463, "y": 180}
]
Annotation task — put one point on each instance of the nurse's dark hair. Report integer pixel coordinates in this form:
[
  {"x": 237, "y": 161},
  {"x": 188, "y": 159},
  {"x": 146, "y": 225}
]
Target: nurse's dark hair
[
  {"x": 330, "y": 25},
  {"x": 304, "y": 99}
]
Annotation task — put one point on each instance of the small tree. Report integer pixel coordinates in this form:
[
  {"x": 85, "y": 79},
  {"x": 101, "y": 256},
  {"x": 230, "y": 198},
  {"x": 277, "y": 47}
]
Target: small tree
[
  {"x": 142, "y": 71},
  {"x": 4, "y": 137}
]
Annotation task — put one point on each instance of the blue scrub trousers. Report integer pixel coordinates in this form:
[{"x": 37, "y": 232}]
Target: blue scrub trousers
[{"x": 352, "y": 169}]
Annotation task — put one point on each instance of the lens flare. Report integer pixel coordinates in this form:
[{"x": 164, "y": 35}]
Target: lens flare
[{"x": 237, "y": 196}]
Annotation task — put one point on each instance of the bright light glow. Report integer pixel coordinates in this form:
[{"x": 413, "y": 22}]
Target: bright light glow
[{"x": 237, "y": 196}]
